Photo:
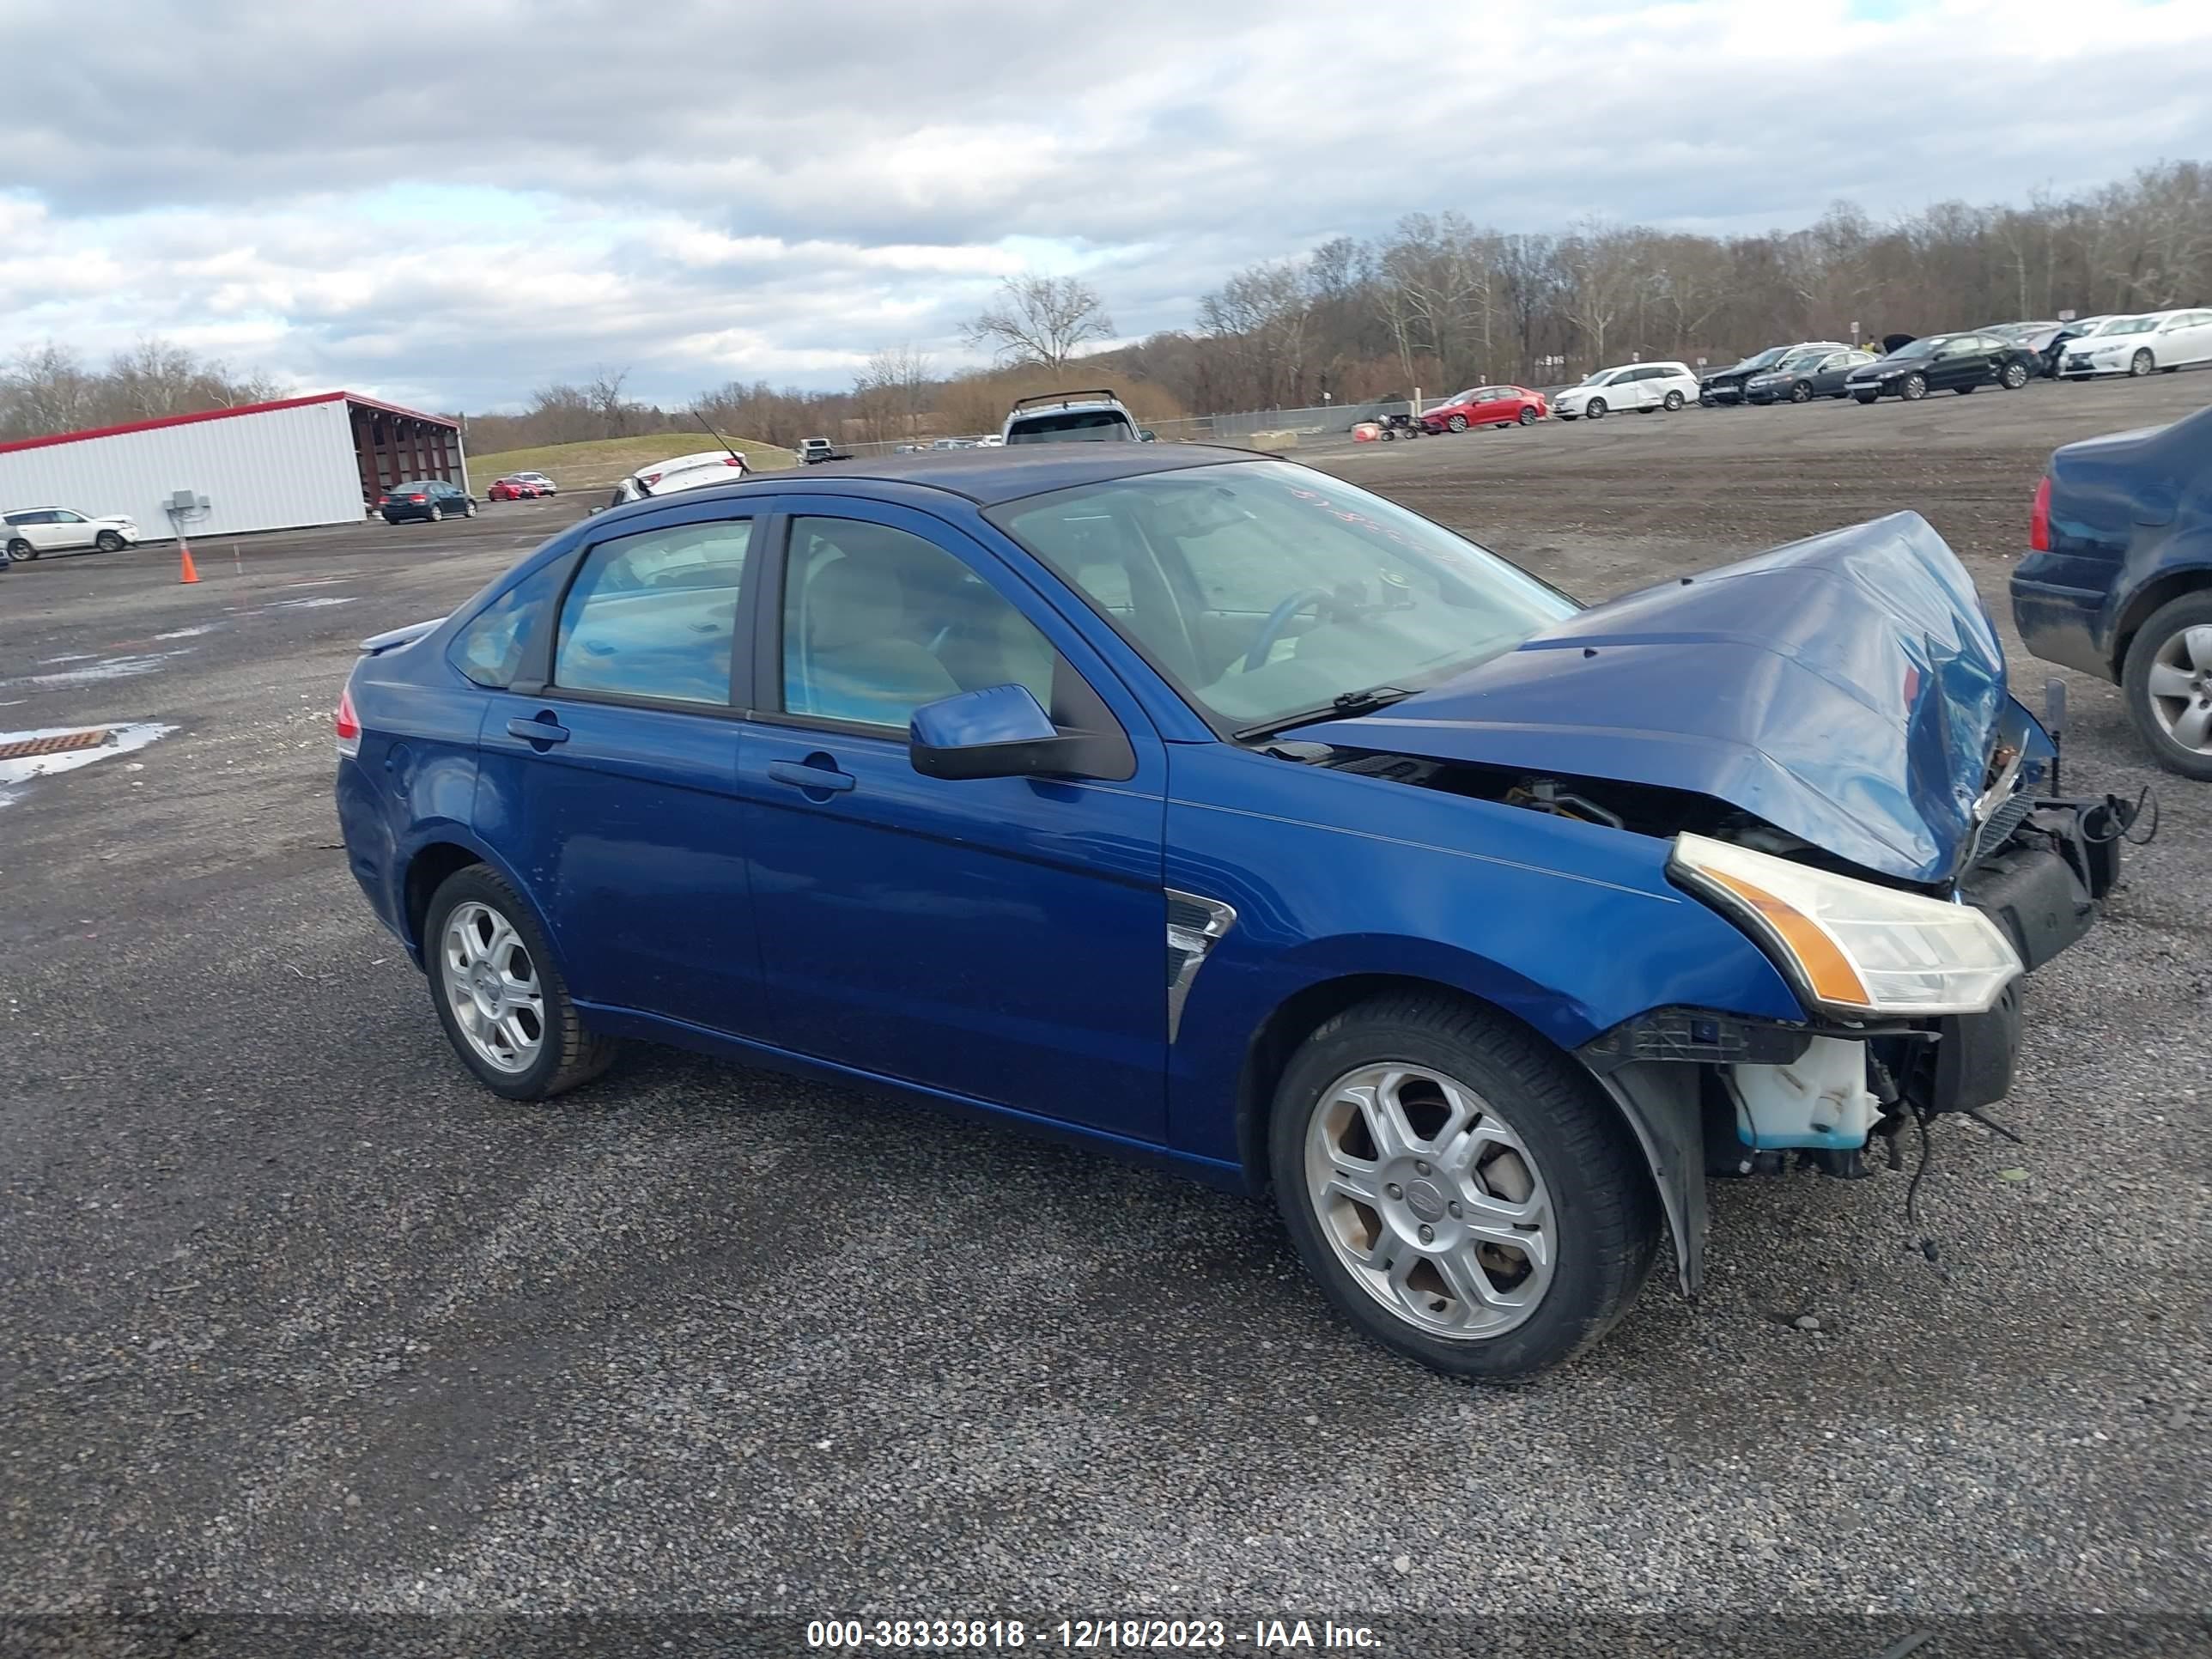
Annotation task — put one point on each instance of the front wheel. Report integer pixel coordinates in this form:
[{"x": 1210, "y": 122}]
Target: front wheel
[
  {"x": 1914, "y": 389},
  {"x": 1865, "y": 397},
  {"x": 1528, "y": 417},
  {"x": 1963, "y": 390},
  {"x": 108, "y": 542},
  {"x": 469, "y": 511},
  {"x": 1596, "y": 409},
  {"x": 2141, "y": 364},
  {"x": 2168, "y": 681},
  {"x": 1463, "y": 1195},
  {"x": 1672, "y": 402},
  {"x": 505, "y": 1007},
  {"x": 1801, "y": 392},
  {"x": 1457, "y": 423},
  {"x": 2015, "y": 377}
]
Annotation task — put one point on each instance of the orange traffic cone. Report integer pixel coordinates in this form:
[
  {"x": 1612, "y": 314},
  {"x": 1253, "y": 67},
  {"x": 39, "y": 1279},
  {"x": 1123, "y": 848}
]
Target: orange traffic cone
[{"x": 188, "y": 574}]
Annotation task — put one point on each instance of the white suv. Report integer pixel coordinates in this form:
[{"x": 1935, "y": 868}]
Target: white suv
[
  {"x": 1640, "y": 387},
  {"x": 1071, "y": 417}
]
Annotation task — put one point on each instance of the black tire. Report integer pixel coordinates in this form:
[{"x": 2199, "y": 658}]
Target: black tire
[
  {"x": 21, "y": 551},
  {"x": 1671, "y": 402},
  {"x": 2190, "y": 611},
  {"x": 567, "y": 1054},
  {"x": 2015, "y": 377},
  {"x": 1595, "y": 409},
  {"x": 1388, "y": 434},
  {"x": 2141, "y": 364},
  {"x": 1963, "y": 390},
  {"x": 1564, "y": 416},
  {"x": 1606, "y": 1212},
  {"x": 1526, "y": 417},
  {"x": 436, "y": 514},
  {"x": 1866, "y": 397},
  {"x": 1914, "y": 389},
  {"x": 469, "y": 511},
  {"x": 1457, "y": 423},
  {"x": 108, "y": 542},
  {"x": 1801, "y": 392}
]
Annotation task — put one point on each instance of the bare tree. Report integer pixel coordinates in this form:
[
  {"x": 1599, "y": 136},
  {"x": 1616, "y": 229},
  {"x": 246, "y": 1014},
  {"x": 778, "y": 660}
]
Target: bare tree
[
  {"x": 604, "y": 392},
  {"x": 1041, "y": 320}
]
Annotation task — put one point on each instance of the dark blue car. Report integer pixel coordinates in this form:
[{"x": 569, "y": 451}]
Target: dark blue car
[
  {"x": 2118, "y": 583},
  {"x": 1206, "y": 807}
]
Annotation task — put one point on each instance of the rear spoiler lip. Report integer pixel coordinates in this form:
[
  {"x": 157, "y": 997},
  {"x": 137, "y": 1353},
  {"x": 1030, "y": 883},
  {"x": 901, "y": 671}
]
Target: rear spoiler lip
[
  {"x": 377, "y": 644},
  {"x": 1099, "y": 394}
]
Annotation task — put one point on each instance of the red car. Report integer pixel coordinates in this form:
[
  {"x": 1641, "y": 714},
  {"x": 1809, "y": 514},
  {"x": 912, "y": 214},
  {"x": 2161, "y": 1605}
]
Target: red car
[
  {"x": 513, "y": 490},
  {"x": 1486, "y": 405}
]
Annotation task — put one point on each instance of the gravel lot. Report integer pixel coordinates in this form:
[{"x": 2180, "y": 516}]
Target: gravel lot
[{"x": 297, "y": 1320}]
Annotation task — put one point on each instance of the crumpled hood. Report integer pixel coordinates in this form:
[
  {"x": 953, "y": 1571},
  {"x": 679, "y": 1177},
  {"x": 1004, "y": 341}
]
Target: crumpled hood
[{"x": 1846, "y": 689}]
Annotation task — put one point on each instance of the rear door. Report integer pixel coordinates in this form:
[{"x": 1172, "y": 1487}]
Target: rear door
[
  {"x": 1001, "y": 939},
  {"x": 2191, "y": 340},
  {"x": 610, "y": 771}
]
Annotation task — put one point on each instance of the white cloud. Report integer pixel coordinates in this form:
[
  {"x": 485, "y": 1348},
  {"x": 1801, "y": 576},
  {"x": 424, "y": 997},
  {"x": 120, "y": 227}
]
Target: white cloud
[{"x": 727, "y": 191}]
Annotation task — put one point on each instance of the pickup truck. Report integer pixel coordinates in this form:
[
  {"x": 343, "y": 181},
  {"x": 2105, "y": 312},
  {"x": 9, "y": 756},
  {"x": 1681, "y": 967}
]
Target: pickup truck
[{"x": 814, "y": 450}]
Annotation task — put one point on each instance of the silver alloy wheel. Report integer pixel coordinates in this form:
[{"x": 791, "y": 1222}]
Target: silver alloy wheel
[
  {"x": 2181, "y": 687},
  {"x": 2139, "y": 365},
  {"x": 491, "y": 986},
  {"x": 437, "y": 513},
  {"x": 1431, "y": 1201}
]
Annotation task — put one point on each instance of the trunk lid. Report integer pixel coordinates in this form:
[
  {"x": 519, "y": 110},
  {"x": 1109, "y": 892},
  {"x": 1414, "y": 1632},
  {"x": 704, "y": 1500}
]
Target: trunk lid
[{"x": 1846, "y": 689}]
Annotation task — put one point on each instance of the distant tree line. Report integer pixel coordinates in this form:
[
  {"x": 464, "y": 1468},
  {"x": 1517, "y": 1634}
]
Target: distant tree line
[
  {"x": 1440, "y": 303},
  {"x": 50, "y": 388}
]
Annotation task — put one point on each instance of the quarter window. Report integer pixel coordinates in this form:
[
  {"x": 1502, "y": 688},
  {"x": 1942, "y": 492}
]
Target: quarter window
[
  {"x": 876, "y": 622},
  {"x": 654, "y": 615},
  {"x": 490, "y": 650}
]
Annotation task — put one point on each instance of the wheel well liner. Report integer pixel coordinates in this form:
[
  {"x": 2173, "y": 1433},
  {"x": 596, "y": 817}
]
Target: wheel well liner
[{"x": 425, "y": 870}]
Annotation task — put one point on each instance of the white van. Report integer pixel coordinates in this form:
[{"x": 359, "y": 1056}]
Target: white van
[{"x": 1640, "y": 387}]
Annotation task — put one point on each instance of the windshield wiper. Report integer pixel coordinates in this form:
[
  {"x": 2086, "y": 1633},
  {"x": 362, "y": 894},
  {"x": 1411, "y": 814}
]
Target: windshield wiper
[{"x": 1342, "y": 706}]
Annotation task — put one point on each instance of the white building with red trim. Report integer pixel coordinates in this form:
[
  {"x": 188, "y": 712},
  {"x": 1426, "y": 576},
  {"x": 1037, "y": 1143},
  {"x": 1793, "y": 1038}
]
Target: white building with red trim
[{"x": 282, "y": 465}]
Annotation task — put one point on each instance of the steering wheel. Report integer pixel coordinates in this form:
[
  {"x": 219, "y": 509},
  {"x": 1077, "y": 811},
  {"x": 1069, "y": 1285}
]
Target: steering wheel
[{"x": 1277, "y": 619}]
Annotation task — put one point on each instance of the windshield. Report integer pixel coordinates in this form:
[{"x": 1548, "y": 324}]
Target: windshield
[
  {"x": 1766, "y": 359},
  {"x": 1927, "y": 348},
  {"x": 2130, "y": 325},
  {"x": 1265, "y": 590},
  {"x": 1799, "y": 359}
]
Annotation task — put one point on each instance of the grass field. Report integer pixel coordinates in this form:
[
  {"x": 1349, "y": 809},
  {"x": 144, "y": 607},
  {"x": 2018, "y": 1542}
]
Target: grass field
[{"x": 599, "y": 462}]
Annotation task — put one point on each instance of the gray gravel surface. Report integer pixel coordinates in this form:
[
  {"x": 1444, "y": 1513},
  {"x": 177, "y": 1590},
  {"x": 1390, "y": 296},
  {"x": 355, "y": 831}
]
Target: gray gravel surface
[{"x": 298, "y": 1320}]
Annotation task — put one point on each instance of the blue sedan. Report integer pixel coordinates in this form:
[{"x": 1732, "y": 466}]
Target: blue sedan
[{"x": 1204, "y": 807}]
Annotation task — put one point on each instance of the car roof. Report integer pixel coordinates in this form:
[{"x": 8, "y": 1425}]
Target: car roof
[{"x": 989, "y": 477}]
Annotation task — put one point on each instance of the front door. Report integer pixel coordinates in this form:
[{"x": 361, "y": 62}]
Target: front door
[
  {"x": 611, "y": 788},
  {"x": 1001, "y": 938}
]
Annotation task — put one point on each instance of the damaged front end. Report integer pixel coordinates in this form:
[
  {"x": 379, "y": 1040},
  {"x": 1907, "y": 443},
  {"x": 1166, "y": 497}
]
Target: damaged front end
[{"x": 1824, "y": 736}]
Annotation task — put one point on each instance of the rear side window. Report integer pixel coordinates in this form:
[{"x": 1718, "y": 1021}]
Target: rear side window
[
  {"x": 490, "y": 650},
  {"x": 654, "y": 615}
]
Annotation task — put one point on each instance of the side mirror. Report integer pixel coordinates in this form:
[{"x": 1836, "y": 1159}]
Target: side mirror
[
  {"x": 1146, "y": 435},
  {"x": 1002, "y": 731}
]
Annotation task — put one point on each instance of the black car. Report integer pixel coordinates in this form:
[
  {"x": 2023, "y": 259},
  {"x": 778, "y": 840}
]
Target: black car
[
  {"x": 1808, "y": 373},
  {"x": 426, "y": 498},
  {"x": 1943, "y": 362},
  {"x": 1725, "y": 386},
  {"x": 2119, "y": 581}
]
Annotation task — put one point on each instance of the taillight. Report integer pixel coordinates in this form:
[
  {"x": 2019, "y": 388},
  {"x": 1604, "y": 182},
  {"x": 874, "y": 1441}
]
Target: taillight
[
  {"x": 2038, "y": 517},
  {"x": 347, "y": 724},
  {"x": 648, "y": 477},
  {"x": 735, "y": 461},
  {"x": 418, "y": 500}
]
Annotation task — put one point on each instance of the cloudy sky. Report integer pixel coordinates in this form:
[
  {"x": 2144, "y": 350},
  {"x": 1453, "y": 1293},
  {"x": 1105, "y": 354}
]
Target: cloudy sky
[{"x": 447, "y": 202}]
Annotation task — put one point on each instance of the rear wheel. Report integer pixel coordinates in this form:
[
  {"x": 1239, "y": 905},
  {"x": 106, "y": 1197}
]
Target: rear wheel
[
  {"x": 1672, "y": 402},
  {"x": 2168, "y": 680},
  {"x": 1596, "y": 409},
  {"x": 1865, "y": 397},
  {"x": 1457, "y": 423},
  {"x": 1914, "y": 389},
  {"x": 1528, "y": 417},
  {"x": 2141, "y": 364},
  {"x": 2015, "y": 377},
  {"x": 1463, "y": 1194},
  {"x": 21, "y": 551},
  {"x": 505, "y": 1007}
]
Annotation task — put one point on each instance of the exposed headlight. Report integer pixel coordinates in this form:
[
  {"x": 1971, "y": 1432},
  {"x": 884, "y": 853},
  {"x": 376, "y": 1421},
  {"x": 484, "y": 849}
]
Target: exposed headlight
[{"x": 1850, "y": 946}]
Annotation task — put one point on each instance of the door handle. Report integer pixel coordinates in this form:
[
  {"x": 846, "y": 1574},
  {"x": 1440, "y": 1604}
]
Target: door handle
[
  {"x": 536, "y": 731},
  {"x": 801, "y": 776}
]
